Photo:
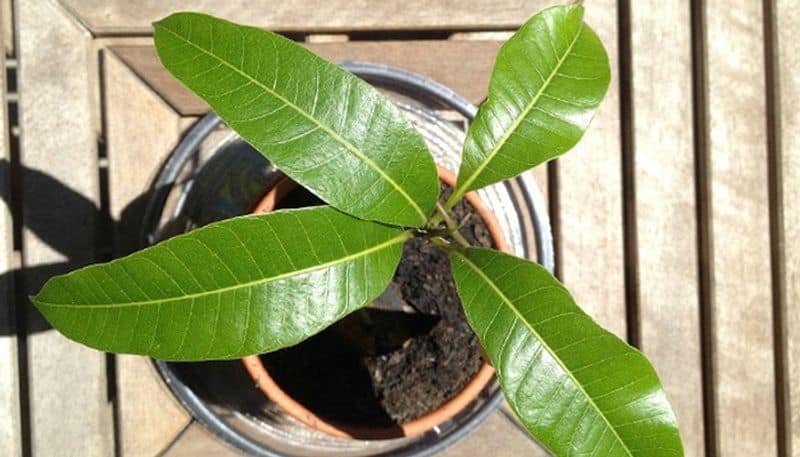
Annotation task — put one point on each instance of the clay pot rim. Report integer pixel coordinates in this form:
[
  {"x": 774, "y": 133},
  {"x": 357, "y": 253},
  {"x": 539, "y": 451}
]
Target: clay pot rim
[{"x": 418, "y": 426}]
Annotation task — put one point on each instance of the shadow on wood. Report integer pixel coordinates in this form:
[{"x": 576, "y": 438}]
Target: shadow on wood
[{"x": 63, "y": 202}]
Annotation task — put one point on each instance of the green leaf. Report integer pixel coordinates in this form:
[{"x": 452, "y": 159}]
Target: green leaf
[
  {"x": 547, "y": 82},
  {"x": 577, "y": 388},
  {"x": 327, "y": 129},
  {"x": 242, "y": 286}
]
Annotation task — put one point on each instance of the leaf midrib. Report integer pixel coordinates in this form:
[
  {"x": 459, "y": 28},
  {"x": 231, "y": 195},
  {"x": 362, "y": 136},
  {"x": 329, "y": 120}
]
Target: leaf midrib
[
  {"x": 547, "y": 347},
  {"x": 398, "y": 239},
  {"x": 327, "y": 129},
  {"x": 528, "y": 108}
]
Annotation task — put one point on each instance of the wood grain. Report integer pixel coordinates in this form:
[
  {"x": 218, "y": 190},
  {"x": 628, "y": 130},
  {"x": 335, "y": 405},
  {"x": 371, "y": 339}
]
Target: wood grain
[
  {"x": 740, "y": 262},
  {"x": 116, "y": 17},
  {"x": 464, "y": 66},
  {"x": 69, "y": 406},
  {"x": 140, "y": 131},
  {"x": 787, "y": 17},
  {"x": 590, "y": 195},
  {"x": 10, "y": 437},
  {"x": 663, "y": 144}
]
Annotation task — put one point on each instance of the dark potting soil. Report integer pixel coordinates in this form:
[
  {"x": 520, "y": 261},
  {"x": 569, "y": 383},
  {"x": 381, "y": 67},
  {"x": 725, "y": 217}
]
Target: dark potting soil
[{"x": 398, "y": 359}]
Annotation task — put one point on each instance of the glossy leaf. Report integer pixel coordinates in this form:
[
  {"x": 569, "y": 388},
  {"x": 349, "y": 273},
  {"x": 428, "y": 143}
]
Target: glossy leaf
[
  {"x": 242, "y": 286},
  {"x": 327, "y": 129},
  {"x": 547, "y": 82},
  {"x": 576, "y": 387}
]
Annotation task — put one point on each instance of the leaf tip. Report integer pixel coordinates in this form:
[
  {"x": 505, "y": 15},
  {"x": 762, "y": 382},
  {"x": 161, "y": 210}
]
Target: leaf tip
[
  {"x": 161, "y": 23},
  {"x": 166, "y": 21},
  {"x": 36, "y": 302}
]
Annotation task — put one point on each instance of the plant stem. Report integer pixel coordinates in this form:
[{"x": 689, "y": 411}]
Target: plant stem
[
  {"x": 441, "y": 243},
  {"x": 453, "y": 199},
  {"x": 442, "y": 211},
  {"x": 452, "y": 227}
]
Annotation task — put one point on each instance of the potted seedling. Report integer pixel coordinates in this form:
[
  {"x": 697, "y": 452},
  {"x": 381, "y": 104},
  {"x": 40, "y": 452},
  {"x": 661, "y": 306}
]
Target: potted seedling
[
  {"x": 383, "y": 372},
  {"x": 263, "y": 282}
]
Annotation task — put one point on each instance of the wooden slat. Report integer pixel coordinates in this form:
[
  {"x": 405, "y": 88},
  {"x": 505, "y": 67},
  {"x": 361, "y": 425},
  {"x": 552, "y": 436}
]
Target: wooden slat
[
  {"x": 486, "y": 441},
  {"x": 464, "y": 66},
  {"x": 787, "y": 23},
  {"x": 149, "y": 416},
  {"x": 7, "y": 17},
  {"x": 10, "y": 437},
  {"x": 196, "y": 441},
  {"x": 117, "y": 17},
  {"x": 140, "y": 131},
  {"x": 590, "y": 198},
  {"x": 665, "y": 207},
  {"x": 741, "y": 292},
  {"x": 69, "y": 406}
]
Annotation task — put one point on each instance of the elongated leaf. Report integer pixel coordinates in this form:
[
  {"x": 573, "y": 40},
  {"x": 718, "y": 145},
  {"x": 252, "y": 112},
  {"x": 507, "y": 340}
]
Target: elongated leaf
[
  {"x": 578, "y": 389},
  {"x": 242, "y": 286},
  {"x": 324, "y": 127},
  {"x": 547, "y": 82}
]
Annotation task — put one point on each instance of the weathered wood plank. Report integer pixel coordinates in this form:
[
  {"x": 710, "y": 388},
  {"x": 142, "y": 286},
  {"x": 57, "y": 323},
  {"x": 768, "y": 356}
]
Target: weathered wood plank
[
  {"x": 464, "y": 66},
  {"x": 486, "y": 439},
  {"x": 149, "y": 416},
  {"x": 787, "y": 23},
  {"x": 665, "y": 207},
  {"x": 10, "y": 437},
  {"x": 104, "y": 17},
  {"x": 590, "y": 198},
  {"x": 7, "y": 17},
  {"x": 140, "y": 131},
  {"x": 741, "y": 293},
  {"x": 196, "y": 441},
  {"x": 70, "y": 411}
]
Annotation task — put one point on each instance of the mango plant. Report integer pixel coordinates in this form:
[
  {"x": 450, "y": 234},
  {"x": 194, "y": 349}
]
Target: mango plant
[{"x": 258, "y": 283}]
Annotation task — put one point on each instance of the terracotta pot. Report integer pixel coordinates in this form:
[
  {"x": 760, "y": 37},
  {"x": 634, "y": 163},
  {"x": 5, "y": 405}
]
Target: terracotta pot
[{"x": 415, "y": 427}]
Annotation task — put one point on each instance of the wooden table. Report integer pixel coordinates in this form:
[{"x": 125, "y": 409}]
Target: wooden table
[{"x": 676, "y": 220}]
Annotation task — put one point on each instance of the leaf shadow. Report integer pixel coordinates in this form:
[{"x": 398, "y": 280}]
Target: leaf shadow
[{"x": 47, "y": 203}]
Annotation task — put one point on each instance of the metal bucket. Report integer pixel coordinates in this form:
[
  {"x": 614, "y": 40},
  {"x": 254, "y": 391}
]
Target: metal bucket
[{"x": 212, "y": 174}]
